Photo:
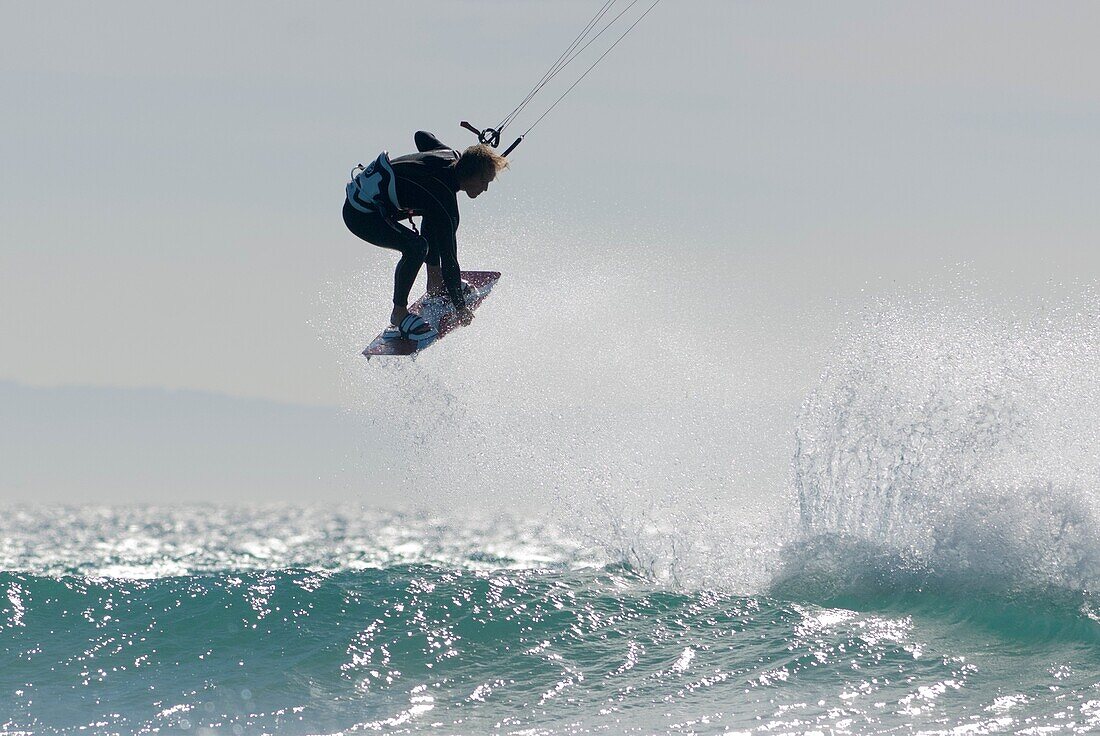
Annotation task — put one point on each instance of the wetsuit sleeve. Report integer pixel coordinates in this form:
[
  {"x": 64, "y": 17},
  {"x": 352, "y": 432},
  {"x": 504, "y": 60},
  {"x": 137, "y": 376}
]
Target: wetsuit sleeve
[
  {"x": 447, "y": 244},
  {"x": 440, "y": 227},
  {"x": 426, "y": 141}
]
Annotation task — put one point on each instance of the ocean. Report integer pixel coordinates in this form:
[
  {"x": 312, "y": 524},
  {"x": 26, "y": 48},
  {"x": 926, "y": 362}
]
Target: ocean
[
  {"x": 615, "y": 545},
  {"x": 302, "y": 620}
]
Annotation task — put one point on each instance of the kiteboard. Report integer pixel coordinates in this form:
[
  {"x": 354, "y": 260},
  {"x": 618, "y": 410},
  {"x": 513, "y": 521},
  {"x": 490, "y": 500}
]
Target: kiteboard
[{"x": 439, "y": 313}]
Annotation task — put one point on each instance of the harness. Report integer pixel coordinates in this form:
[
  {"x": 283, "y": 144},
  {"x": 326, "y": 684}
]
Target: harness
[{"x": 373, "y": 190}]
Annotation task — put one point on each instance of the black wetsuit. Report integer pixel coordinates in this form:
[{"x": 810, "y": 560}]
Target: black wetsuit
[{"x": 427, "y": 185}]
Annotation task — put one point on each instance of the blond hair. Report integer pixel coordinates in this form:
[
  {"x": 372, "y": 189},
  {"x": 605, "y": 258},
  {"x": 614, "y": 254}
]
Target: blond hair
[{"x": 481, "y": 161}]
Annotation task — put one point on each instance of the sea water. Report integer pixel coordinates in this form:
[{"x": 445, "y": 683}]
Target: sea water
[
  {"x": 616, "y": 545},
  {"x": 283, "y": 620}
]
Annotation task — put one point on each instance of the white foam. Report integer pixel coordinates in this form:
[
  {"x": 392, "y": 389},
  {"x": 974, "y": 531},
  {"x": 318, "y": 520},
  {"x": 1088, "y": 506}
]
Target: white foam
[{"x": 953, "y": 437}]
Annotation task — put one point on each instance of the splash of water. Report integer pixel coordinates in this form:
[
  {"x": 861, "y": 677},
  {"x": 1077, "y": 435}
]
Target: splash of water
[
  {"x": 948, "y": 435},
  {"x": 591, "y": 392},
  {"x": 951, "y": 440}
]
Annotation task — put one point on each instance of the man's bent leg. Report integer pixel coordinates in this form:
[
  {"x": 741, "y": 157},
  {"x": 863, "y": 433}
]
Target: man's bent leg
[
  {"x": 431, "y": 258},
  {"x": 377, "y": 230},
  {"x": 408, "y": 268},
  {"x": 435, "y": 281}
]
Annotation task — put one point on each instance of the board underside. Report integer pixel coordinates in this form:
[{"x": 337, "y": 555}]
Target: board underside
[{"x": 438, "y": 313}]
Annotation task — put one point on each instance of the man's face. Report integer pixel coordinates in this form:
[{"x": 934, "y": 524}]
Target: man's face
[{"x": 477, "y": 185}]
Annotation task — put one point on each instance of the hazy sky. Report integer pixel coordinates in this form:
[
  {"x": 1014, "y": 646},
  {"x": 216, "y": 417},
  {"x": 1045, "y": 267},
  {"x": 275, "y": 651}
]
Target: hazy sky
[{"x": 172, "y": 173}]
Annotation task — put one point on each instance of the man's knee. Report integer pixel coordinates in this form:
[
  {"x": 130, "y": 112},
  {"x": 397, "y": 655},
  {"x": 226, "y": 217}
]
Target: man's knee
[
  {"x": 419, "y": 249},
  {"x": 432, "y": 257}
]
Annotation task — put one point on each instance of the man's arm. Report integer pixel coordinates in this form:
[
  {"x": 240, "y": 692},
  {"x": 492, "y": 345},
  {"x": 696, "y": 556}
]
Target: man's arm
[
  {"x": 440, "y": 227},
  {"x": 443, "y": 233}
]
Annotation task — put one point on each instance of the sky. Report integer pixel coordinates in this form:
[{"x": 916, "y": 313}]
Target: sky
[{"x": 173, "y": 172}]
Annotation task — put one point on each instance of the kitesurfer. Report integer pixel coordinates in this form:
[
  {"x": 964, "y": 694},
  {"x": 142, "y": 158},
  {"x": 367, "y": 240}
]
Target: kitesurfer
[{"x": 424, "y": 184}]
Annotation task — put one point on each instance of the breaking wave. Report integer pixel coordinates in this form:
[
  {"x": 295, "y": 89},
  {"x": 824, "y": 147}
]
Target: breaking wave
[
  {"x": 950, "y": 441},
  {"x": 952, "y": 448}
]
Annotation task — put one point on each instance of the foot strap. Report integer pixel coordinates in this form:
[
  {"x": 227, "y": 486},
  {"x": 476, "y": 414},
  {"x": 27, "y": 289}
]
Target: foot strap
[{"x": 413, "y": 327}]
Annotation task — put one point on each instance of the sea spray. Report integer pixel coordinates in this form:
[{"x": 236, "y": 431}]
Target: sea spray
[
  {"x": 952, "y": 440},
  {"x": 596, "y": 390},
  {"x": 948, "y": 434}
]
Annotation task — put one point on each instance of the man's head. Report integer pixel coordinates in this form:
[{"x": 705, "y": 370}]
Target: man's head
[{"x": 477, "y": 167}]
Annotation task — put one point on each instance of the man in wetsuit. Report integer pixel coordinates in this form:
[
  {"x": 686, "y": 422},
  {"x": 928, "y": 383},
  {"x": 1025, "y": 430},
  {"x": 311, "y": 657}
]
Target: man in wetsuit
[{"x": 424, "y": 184}]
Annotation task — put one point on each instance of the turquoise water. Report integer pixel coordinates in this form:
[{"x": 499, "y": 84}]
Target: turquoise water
[
  {"x": 211, "y": 620},
  {"x": 622, "y": 545}
]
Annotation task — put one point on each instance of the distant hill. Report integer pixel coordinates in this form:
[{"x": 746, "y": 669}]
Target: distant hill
[{"x": 77, "y": 444}]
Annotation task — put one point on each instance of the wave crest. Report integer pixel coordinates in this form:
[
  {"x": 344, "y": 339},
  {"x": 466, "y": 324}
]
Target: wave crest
[{"x": 963, "y": 444}]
